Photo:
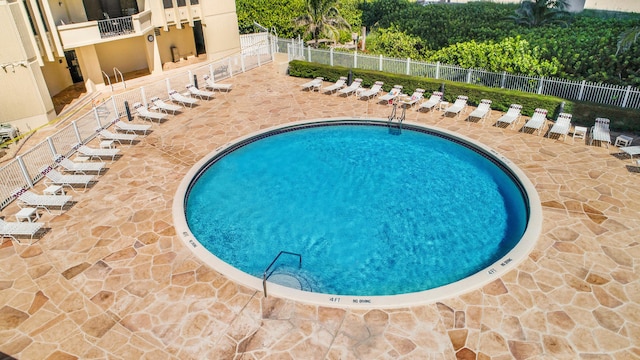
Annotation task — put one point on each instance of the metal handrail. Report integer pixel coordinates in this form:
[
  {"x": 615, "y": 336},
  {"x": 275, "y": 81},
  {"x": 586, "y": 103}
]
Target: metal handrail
[
  {"x": 108, "y": 80},
  {"x": 115, "y": 27},
  {"x": 115, "y": 74},
  {"x": 264, "y": 275}
]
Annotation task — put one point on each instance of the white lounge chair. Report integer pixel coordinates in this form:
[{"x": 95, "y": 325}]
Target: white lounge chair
[
  {"x": 129, "y": 128},
  {"x": 181, "y": 99},
  {"x": 561, "y": 126},
  {"x": 369, "y": 93},
  {"x": 482, "y": 111},
  {"x": 391, "y": 95},
  {"x": 457, "y": 107},
  {"x": 199, "y": 93},
  {"x": 210, "y": 84},
  {"x": 631, "y": 151},
  {"x": 117, "y": 137},
  {"x": 416, "y": 97},
  {"x": 13, "y": 229},
  {"x": 351, "y": 89},
  {"x": 600, "y": 131},
  {"x": 342, "y": 82},
  {"x": 165, "y": 107},
  {"x": 146, "y": 114},
  {"x": 537, "y": 121},
  {"x": 512, "y": 115},
  {"x": 54, "y": 177},
  {"x": 433, "y": 100},
  {"x": 312, "y": 85},
  {"x": 79, "y": 167},
  {"x": 94, "y": 153},
  {"x": 27, "y": 198}
]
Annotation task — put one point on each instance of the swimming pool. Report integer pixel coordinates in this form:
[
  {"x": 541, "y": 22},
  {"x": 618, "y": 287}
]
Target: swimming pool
[{"x": 374, "y": 215}]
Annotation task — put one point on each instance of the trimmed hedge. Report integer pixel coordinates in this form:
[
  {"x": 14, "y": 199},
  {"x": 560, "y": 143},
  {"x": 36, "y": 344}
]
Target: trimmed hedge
[{"x": 583, "y": 113}]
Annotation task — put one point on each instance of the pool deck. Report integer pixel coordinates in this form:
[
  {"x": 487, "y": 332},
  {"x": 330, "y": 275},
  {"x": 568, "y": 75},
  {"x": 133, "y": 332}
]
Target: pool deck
[{"x": 111, "y": 279}]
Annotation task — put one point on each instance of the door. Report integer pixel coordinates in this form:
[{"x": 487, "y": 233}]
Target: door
[
  {"x": 73, "y": 66},
  {"x": 198, "y": 37}
]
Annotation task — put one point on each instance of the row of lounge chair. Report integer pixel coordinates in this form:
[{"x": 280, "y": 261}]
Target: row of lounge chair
[
  {"x": 561, "y": 127},
  {"x": 159, "y": 110}
]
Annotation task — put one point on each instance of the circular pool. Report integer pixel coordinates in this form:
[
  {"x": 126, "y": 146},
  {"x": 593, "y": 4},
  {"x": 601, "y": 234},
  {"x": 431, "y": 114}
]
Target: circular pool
[{"x": 357, "y": 213}]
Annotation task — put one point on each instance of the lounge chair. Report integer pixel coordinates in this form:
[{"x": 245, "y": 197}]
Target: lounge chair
[
  {"x": 181, "y": 99},
  {"x": 482, "y": 111},
  {"x": 165, "y": 107},
  {"x": 512, "y": 115},
  {"x": 13, "y": 229},
  {"x": 369, "y": 93},
  {"x": 561, "y": 126},
  {"x": 146, "y": 114},
  {"x": 413, "y": 99},
  {"x": 54, "y": 177},
  {"x": 457, "y": 107},
  {"x": 391, "y": 95},
  {"x": 631, "y": 150},
  {"x": 210, "y": 84},
  {"x": 434, "y": 100},
  {"x": 199, "y": 93},
  {"x": 129, "y": 128},
  {"x": 537, "y": 121},
  {"x": 27, "y": 198},
  {"x": 351, "y": 89},
  {"x": 312, "y": 85},
  {"x": 342, "y": 82},
  {"x": 600, "y": 131},
  {"x": 117, "y": 137},
  {"x": 79, "y": 167},
  {"x": 94, "y": 153}
]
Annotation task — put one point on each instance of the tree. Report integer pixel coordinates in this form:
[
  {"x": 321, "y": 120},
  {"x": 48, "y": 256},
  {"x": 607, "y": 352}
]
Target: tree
[
  {"x": 534, "y": 13},
  {"x": 395, "y": 43},
  {"x": 322, "y": 18},
  {"x": 627, "y": 39}
]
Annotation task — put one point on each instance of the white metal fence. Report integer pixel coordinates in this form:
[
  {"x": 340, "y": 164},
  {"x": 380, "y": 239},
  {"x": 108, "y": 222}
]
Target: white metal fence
[
  {"x": 28, "y": 168},
  {"x": 606, "y": 94}
]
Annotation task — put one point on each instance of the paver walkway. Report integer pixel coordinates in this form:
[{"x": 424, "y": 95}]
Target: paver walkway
[{"x": 112, "y": 280}]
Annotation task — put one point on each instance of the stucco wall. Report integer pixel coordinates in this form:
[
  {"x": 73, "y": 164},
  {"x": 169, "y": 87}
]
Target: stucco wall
[
  {"x": 180, "y": 38},
  {"x": 126, "y": 55}
]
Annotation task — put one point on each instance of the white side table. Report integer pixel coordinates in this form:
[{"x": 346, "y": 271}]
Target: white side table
[
  {"x": 579, "y": 132},
  {"x": 53, "y": 190},
  {"x": 106, "y": 144},
  {"x": 28, "y": 214},
  {"x": 623, "y": 140},
  {"x": 443, "y": 105}
]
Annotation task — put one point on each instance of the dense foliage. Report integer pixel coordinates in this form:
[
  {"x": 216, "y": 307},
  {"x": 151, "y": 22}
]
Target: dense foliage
[
  {"x": 586, "y": 49},
  {"x": 322, "y": 20}
]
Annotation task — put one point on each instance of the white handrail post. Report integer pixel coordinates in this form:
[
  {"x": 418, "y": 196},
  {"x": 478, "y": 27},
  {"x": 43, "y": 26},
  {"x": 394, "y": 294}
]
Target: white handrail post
[
  {"x": 438, "y": 70},
  {"x": 331, "y": 56},
  {"x": 168, "y": 85},
  {"x": 540, "y": 85},
  {"x": 75, "y": 129},
  {"x": 355, "y": 59},
  {"x": 228, "y": 67},
  {"x": 469, "y": 76},
  {"x": 581, "y": 90},
  {"x": 25, "y": 173},
  {"x": 51, "y": 146},
  {"x": 115, "y": 106},
  {"x": 408, "y": 66},
  {"x": 143, "y": 94},
  {"x": 242, "y": 63},
  {"x": 626, "y": 96},
  {"x": 97, "y": 116},
  {"x": 309, "y": 53},
  {"x": 211, "y": 70},
  {"x": 190, "y": 75},
  {"x": 504, "y": 79},
  {"x": 380, "y": 62}
]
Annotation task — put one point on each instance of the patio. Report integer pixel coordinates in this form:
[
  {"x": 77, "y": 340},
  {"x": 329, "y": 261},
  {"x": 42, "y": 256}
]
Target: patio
[{"x": 111, "y": 279}]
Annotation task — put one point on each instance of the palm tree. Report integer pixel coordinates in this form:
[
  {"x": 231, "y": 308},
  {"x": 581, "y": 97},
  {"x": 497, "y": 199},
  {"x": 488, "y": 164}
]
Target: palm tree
[
  {"x": 627, "y": 39},
  {"x": 534, "y": 13},
  {"x": 322, "y": 18}
]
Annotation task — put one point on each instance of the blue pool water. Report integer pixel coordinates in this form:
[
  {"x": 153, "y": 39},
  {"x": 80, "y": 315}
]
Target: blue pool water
[{"x": 370, "y": 212}]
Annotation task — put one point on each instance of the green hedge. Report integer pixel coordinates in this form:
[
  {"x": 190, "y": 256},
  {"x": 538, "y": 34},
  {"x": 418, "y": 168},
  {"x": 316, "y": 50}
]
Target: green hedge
[{"x": 583, "y": 113}]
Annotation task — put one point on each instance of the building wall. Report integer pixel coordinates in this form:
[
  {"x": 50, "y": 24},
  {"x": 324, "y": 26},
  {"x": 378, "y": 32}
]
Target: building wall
[
  {"x": 220, "y": 28},
  {"x": 126, "y": 55},
  {"x": 56, "y": 76},
  {"x": 182, "y": 39}
]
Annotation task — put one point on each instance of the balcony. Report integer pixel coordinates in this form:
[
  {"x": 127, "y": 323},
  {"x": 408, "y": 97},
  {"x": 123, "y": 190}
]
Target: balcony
[{"x": 100, "y": 31}]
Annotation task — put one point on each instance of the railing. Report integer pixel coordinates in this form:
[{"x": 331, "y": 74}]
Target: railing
[
  {"x": 606, "y": 94},
  {"x": 115, "y": 74},
  {"x": 24, "y": 170},
  {"x": 115, "y": 27},
  {"x": 104, "y": 74},
  {"x": 264, "y": 275}
]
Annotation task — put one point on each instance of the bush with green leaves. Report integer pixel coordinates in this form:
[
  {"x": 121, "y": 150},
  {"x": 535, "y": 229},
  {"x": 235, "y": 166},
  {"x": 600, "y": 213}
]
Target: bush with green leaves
[{"x": 392, "y": 42}]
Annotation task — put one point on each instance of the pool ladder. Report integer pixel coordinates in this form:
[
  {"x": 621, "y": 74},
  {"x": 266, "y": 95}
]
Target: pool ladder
[
  {"x": 400, "y": 119},
  {"x": 265, "y": 276}
]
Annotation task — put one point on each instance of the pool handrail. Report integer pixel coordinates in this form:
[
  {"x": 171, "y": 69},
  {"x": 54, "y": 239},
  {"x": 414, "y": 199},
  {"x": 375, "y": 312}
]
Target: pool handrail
[{"x": 264, "y": 275}]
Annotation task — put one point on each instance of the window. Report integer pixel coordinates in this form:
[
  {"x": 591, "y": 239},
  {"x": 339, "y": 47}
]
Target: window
[
  {"x": 194, "y": 2},
  {"x": 168, "y": 4}
]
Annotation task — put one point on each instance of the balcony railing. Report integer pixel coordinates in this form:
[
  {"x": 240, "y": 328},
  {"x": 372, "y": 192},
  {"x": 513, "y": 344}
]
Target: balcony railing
[{"x": 115, "y": 27}]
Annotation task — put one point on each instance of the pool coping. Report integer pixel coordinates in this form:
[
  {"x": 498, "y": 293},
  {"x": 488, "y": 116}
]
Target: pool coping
[{"x": 490, "y": 273}]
